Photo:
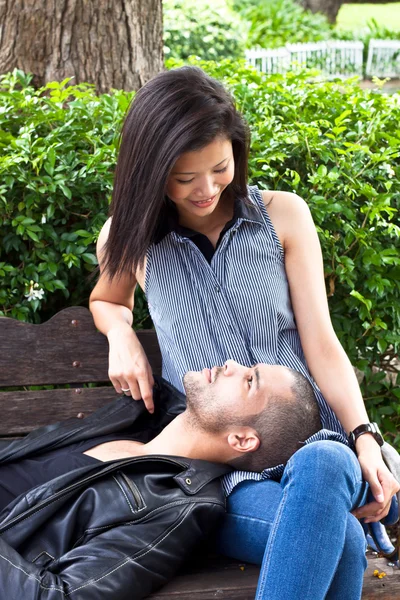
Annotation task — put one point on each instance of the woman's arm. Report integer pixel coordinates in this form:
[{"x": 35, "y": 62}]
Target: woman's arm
[
  {"x": 111, "y": 304},
  {"x": 326, "y": 359}
]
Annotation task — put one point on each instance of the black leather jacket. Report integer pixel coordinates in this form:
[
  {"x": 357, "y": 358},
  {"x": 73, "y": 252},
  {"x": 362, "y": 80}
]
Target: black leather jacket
[{"x": 115, "y": 530}]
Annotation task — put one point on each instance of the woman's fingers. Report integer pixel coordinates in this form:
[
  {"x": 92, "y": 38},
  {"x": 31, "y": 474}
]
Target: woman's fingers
[
  {"x": 146, "y": 391},
  {"x": 139, "y": 387},
  {"x": 129, "y": 369},
  {"x": 376, "y": 488},
  {"x": 373, "y": 511},
  {"x": 116, "y": 383},
  {"x": 383, "y": 485}
]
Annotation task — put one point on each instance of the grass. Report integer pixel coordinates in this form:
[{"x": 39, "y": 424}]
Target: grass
[{"x": 356, "y": 16}]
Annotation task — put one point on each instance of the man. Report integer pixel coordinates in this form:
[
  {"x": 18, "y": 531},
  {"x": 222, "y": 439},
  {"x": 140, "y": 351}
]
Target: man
[{"x": 110, "y": 506}]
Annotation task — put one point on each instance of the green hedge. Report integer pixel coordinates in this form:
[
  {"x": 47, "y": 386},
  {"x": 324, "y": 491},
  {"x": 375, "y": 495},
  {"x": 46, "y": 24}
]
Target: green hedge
[
  {"x": 331, "y": 142},
  {"x": 205, "y": 28},
  {"x": 274, "y": 23}
]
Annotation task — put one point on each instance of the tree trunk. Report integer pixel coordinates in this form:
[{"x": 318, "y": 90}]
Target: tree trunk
[
  {"x": 330, "y": 8},
  {"x": 111, "y": 43}
]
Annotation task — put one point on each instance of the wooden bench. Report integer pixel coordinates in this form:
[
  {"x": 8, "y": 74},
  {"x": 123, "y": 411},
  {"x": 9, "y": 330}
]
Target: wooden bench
[{"x": 68, "y": 351}]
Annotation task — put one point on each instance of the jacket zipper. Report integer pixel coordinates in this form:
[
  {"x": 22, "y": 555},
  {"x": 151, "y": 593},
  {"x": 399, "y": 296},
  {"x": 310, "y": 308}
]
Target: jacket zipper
[
  {"x": 79, "y": 484},
  {"x": 133, "y": 489}
]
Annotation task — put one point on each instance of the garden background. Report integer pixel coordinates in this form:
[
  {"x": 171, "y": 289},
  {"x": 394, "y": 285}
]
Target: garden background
[{"x": 332, "y": 142}]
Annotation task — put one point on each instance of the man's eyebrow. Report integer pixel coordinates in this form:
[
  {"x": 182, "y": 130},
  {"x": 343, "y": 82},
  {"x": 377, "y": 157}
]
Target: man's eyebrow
[
  {"x": 194, "y": 172},
  {"x": 257, "y": 374}
]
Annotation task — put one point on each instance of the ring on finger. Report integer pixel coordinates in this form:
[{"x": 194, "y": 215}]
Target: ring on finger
[{"x": 125, "y": 390}]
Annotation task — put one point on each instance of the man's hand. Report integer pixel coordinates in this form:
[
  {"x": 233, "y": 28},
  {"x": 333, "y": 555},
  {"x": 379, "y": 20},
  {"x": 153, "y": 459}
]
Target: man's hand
[{"x": 382, "y": 483}]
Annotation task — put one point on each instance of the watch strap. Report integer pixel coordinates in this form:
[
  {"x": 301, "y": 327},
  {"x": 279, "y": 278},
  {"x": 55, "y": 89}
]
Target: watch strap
[{"x": 366, "y": 428}]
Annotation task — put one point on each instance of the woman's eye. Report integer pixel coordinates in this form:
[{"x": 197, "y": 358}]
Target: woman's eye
[
  {"x": 180, "y": 181},
  {"x": 250, "y": 381},
  {"x": 221, "y": 170}
]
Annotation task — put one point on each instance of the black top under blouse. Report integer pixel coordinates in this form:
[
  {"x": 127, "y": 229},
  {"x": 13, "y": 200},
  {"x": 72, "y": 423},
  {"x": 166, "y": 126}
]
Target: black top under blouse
[{"x": 241, "y": 209}]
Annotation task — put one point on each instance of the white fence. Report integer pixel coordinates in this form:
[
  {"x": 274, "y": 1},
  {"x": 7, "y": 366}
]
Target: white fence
[
  {"x": 332, "y": 58},
  {"x": 383, "y": 58},
  {"x": 269, "y": 61}
]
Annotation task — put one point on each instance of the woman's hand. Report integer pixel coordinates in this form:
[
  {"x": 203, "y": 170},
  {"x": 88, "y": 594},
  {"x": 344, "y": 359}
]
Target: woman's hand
[
  {"x": 129, "y": 368},
  {"x": 382, "y": 483}
]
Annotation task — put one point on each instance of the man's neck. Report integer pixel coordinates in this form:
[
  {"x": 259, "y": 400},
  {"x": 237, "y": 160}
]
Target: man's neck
[{"x": 180, "y": 438}]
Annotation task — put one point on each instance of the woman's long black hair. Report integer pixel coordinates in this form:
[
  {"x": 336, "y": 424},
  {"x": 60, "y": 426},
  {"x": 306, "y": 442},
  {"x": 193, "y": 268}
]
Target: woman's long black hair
[{"x": 177, "y": 111}]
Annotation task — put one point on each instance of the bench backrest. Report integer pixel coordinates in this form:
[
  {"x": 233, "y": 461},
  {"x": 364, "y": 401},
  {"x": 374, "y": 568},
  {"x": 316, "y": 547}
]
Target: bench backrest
[{"x": 66, "y": 350}]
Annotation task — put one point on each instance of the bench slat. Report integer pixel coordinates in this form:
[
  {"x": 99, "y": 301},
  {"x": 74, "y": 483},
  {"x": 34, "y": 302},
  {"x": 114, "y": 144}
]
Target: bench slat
[
  {"x": 23, "y": 411},
  {"x": 223, "y": 578},
  {"x": 67, "y": 348}
]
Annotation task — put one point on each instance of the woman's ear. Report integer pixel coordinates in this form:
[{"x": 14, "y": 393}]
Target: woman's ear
[{"x": 244, "y": 439}]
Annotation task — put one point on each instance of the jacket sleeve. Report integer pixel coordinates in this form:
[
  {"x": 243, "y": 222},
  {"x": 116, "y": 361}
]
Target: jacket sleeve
[{"x": 112, "y": 564}]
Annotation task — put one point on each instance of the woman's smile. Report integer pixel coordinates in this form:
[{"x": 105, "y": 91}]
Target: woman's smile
[{"x": 204, "y": 203}]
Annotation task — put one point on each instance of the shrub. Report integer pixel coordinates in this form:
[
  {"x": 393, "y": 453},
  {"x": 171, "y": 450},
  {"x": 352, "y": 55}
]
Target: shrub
[
  {"x": 205, "y": 28},
  {"x": 57, "y": 154},
  {"x": 274, "y": 23}
]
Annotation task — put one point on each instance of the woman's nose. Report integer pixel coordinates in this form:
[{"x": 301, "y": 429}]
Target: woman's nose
[{"x": 206, "y": 189}]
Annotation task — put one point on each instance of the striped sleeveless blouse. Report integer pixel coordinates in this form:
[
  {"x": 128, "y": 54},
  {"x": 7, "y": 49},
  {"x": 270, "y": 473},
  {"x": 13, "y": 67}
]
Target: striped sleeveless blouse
[{"x": 236, "y": 307}]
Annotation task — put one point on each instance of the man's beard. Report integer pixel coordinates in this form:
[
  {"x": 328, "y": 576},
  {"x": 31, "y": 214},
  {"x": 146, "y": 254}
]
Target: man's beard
[{"x": 203, "y": 410}]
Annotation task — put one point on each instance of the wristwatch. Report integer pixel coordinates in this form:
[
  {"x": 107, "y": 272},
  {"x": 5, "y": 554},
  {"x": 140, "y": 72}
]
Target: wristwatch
[{"x": 366, "y": 428}]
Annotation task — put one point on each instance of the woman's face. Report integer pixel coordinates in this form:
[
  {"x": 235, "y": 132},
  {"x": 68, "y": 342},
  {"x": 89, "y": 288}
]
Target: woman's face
[{"x": 198, "y": 178}]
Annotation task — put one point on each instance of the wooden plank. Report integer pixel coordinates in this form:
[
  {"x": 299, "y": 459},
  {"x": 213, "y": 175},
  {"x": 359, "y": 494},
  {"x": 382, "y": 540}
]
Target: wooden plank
[
  {"x": 231, "y": 580},
  {"x": 228, "y": 584},
  {"x": 23, "y": 411},
  {"x": 387, "y": 588},
  {"x": 67, "y": 348}
]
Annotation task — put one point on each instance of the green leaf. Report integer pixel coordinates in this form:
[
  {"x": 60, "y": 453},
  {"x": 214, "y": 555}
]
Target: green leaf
[
  {"x": 32, "y": 235},
  {"x": 89, "y": 258},
  {"x": 360, "y": 297},
  {"x": 382, "y": 345},
  {"x": 52, "y": 268},
  {"x": 341, "y": 117},
  {"x": 67, "y": 192}
]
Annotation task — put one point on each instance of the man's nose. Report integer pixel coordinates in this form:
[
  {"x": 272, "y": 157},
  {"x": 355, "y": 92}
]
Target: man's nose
[{"x": 231, "y": 367}]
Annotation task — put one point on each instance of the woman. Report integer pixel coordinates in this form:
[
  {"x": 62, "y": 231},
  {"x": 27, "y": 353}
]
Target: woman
[{"x": 234, "y": 273}]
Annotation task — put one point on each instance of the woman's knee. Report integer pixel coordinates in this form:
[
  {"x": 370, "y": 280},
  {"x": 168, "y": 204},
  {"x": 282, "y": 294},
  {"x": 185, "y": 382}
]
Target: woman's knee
[
  {"x": 325, "y": 463},
  {"x": 326, "y": 454}
]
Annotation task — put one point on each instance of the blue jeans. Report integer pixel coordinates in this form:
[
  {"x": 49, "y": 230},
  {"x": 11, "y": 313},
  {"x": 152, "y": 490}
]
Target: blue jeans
[{"x": 300, "y": 530}]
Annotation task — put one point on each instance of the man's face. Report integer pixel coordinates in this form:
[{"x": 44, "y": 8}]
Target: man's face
[{"x": 231, "y": 393}]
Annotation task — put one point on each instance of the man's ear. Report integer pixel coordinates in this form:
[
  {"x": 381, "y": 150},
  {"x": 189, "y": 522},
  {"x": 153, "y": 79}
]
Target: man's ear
[{"x": 244, "y": 439}]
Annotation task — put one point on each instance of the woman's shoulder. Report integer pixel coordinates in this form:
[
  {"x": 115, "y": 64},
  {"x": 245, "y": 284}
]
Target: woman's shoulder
[
  {"x": 282, "y": 199},
  {"x": 285, "y": 209}
]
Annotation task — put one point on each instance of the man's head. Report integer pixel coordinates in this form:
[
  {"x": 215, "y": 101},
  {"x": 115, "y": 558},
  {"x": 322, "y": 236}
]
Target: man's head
[{"x": 261, "y": 415}]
